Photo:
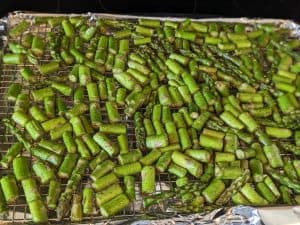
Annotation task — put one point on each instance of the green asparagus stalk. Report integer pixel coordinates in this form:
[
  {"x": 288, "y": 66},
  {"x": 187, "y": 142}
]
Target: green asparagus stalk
[
  {"x": 52, "y": 146},
  {"x": 234, "y": 187},
  {"x": 38, "y": 211},
  {"x": 139, "y": 130},
  {"x": 113, "y": 206},
  {"x": 8, "y": 123},
  {"x": 108, "y": 194},
  {"x": 128, "y": 169},
  {"x": 67, "y": 165},
  {"x": 104, "y": 142},
  {"x": 129, "y": 182},
  {"x": 45, "y": 155},
  {"x": 54, "y": 191},
  {"x": 188, "y": 163},
  {"x": 252, "y": 195},
  {"x": 76, "y": 208},
  {"x": 213, "y": 190},
  {"x": 64, "y": 201},
  {"x": 104, "y": 181},
  {"x": 49, "y": 105},
  {"x": 283, "y": 180},
  {"x": 11, "y": 153},
  {"x": 102, "y": 169},
  {"x": 21, "y": 168},
  {"x": 43, "y": 172},
  {"x": 148, "y": 179},
  {"x": 31, "y": 191},
  {"x": 9, "y": 188},
  {"x": 88, "y": 198},
  {"x": 3, "y": 205}
]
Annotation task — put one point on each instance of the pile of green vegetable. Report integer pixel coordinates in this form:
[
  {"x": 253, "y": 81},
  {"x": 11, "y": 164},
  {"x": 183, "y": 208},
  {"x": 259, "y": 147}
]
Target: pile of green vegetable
[{"x": 215, "y": 107}]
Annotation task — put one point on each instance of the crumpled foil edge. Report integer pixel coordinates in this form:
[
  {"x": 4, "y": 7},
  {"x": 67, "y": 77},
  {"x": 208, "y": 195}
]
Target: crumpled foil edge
[{"x": 237, "y": 215}]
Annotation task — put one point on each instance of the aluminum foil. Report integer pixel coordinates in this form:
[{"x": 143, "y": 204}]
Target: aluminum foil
[
  {"x": 3, "y": 37},
  {"x": 92, "y": 16},
  {"x": 238, "y": 215}
]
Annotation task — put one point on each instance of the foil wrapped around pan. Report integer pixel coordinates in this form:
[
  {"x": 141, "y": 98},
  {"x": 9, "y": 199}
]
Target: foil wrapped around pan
[{"x": 238, "y": 215}]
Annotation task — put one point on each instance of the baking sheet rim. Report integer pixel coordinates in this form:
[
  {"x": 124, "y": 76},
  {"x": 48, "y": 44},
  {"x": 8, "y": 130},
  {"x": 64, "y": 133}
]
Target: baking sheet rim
[{"x": 128, "y": 16}]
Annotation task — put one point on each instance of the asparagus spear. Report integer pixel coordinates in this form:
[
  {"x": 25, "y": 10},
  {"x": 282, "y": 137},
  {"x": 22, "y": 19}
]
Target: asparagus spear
[
  {"x": 252, "y": 195},
  {"x": 64, "y": 201},
  {"x": 284, "y": 180},
  {"x": 113, "y": 206},
  {"x": 76, "y": 208},
  {"x": 54, "y": 191},
  {"x": 9, "y": 188},
  {"x": 8, "y": 123},
  {"x": 108, "y": 194},
  {"x": 43, "y": 172},
  {"x": 88, "y": 197},
  {"x": 234, "y": 187},
  {"x": 21, "y": 168},
  {"x": 148, "y": 179},
  {"x": 38, "y": 211},
  {"x": 139, "y": 130},
  {"x": 67, "y": 165},
  {"x": 3, "y": 205},
  {"x": 188, "y": 163},
  {"x": 129, "y": 182},
  {"x": 11, "y": 153},
  {"x": 213, "y": 190}
]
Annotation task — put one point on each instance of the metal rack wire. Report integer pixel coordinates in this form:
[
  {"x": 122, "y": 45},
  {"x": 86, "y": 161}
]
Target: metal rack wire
[{"x": 19, "y": 212}]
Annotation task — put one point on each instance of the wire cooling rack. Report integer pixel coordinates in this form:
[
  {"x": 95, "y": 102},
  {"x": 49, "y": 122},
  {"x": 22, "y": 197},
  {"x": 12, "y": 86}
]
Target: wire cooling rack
[{"x": 19, "y": 211}]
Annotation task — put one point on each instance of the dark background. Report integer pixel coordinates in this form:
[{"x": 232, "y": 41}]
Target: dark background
[{"x": 287, "y": 9}]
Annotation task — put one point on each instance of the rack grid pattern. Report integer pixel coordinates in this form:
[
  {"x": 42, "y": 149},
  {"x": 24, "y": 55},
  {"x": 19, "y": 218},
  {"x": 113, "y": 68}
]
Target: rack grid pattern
[{"x": 19, "y": 212}]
